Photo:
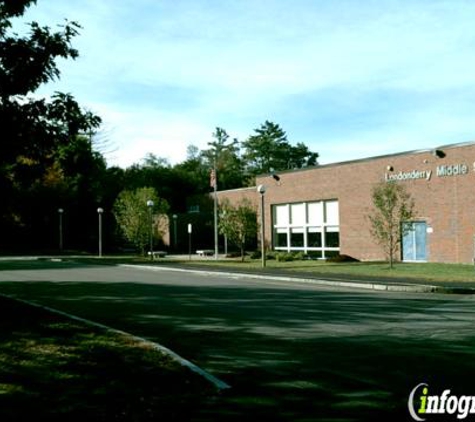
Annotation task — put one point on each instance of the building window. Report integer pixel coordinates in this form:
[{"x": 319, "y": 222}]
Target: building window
[
  {"x": 297, "y": 238},
  {"x": 314, "y": 237},
  {"x": 312, "y": 227},
  {"x": 332, "y": 237},
  {"x": 281, "y": 238},
  {"x": 193, "y": 209}
]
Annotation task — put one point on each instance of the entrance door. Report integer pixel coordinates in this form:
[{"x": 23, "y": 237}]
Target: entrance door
[{"x": 414, "y": 242}]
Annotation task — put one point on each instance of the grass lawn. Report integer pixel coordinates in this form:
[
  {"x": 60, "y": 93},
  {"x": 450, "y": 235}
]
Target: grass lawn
[
  {"x": 423, "y": 272},
  {"x": 56, "y": 369},
  {"x": 417, "y": 271}
]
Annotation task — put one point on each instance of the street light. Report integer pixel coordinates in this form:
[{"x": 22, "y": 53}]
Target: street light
[
  {"x": 262, "y": 190},
  {"x": 60, "y": 213},
  {"x": 100, "y": 211},
  {"x": 175, "y": 235},
  {"x": 223, "y": 216},
  {"x": 150, "y": 205}
]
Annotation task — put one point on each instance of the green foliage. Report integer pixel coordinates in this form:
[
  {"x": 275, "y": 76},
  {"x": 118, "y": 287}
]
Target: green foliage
[
  {"x": 269, "y": 150},
  {"x": 223, "y": 155},
  {"x": 300, "y": 256},
  {"x": 393, "y": 206},
  {"x": 40, "y": 135},
  {"x": 135, "y": 218},
  {"x": 285, "y": 257},
  {"x": 238, "y": 223}
]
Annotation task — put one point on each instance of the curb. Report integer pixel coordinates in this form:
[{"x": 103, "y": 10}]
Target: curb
[
  {"x": 408, "y": 288},
  {"x": 220, "y": 385}
]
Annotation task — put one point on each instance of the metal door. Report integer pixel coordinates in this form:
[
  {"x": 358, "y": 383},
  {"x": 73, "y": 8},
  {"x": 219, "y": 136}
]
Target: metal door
[{"x": 414, "y": 242}]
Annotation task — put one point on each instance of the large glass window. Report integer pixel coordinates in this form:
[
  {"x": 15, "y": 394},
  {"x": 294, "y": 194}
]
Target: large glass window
[
  {"x": 281, "y": 238},
  {"x": 297, "y": 214},
  {"x": 315, "y": 213},
  {"x": 297, "y": 238},
  {"x": 332, "y": 212},
  {"x": 282, "y": 215},
  {"x": 313, "y": 227},
  {"x": 314, "y": 237},
  {"x": 332, "y": 237}
]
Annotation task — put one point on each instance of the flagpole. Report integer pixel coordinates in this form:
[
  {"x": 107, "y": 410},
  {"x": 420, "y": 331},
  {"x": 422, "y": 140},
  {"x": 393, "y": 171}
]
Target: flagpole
[{"x": 215, "y": 186}]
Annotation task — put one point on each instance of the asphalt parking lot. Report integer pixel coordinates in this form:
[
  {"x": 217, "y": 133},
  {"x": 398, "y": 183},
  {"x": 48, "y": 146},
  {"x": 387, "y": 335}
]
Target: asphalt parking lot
[{"x": 290, "y": 351}]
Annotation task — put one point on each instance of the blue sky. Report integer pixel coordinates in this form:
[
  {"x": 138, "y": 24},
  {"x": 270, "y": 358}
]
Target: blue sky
[{"x": 349, "y": 78}]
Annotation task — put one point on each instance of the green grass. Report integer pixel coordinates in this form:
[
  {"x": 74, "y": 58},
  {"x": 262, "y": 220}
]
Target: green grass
[
  {"x": 424, "y": 272},
  {"x": 421, "y": 272},
  {"x": 53, "y": 368}
]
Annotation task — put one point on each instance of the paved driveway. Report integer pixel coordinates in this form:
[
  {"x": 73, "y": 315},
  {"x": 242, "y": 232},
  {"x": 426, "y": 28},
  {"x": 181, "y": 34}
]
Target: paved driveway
[{"x": 290, "y": 352}]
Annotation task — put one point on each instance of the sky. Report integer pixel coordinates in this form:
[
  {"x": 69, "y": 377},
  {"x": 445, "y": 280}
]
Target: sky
[{"x": 348, "y": 78}]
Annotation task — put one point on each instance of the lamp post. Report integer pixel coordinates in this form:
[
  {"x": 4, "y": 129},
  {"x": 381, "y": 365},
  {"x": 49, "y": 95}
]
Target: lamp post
[
  {"x": 100, "y": 211},
  {"x": 175, "y": 233},
  {"x": 150, "y": 205},
  {"x": 262, "y": 190},
  {"x": 223, "y": 216},
  {"x": 60, "y": 213}
]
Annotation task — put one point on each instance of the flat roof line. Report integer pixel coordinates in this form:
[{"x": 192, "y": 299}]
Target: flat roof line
[{"x": 378, "y": 157}]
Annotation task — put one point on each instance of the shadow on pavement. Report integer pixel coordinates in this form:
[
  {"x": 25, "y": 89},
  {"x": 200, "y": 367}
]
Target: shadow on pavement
[{"x": 289, "y": 354}]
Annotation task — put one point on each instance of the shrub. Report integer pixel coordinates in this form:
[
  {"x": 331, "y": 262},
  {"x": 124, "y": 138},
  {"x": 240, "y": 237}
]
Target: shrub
[
  {"x": 342, "y": 258},
  {"x": 299, "y": 256},
  {"x": 271, "y": 255},
  {"x": 285, "y": 257}
]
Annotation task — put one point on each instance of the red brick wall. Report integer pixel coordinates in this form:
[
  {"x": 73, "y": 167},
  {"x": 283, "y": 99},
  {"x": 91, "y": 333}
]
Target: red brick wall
[
  {"x": 235, "y": 196},
  {"x": 447, "y": 204}
]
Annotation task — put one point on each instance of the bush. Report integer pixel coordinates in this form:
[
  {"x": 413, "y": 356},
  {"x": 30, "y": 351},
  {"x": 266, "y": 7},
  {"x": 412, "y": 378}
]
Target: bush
[
  {"x": 233, "y": 254},
  {"x": 313, "y": 255},
  {"x": 285, "y": 257},
  {"x": 342, "y": 258},
  {"x": 299, "y": 256},
  {"x": 256, "y": 255},
  {"x": 271, "y": 255}
]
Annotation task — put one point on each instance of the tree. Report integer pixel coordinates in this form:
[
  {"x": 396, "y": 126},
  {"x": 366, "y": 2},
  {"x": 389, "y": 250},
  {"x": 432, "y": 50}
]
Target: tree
[
  {"x": 238, "y": 223},
  {"x": 133, "y": 216},
  {"x": 269, "y": 150},
  {"x": 223, "y": 155},
  {"x": 33, "y": 129},
  {"x": 393, "y": 207}
]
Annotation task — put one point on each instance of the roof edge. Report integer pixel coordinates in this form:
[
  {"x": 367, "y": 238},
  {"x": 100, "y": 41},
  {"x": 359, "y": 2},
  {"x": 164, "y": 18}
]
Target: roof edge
[{"x": 374, "y": 158}]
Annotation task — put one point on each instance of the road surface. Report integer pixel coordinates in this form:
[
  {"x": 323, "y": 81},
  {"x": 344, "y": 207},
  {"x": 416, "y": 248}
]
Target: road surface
[{"x": 291, "y": 352}]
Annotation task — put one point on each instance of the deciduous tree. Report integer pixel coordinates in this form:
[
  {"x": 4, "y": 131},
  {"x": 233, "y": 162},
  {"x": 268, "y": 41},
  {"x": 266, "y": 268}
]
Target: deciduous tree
[
  {"x": 133, "y": 216},
  {"x": 392, "y": 208},
  {"x": 33, "y": 129},
  {"x": 238, "y": 223}
]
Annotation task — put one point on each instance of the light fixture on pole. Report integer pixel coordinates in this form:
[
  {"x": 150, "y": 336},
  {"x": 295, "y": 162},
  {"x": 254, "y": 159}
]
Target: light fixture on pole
[
  {"x": 150, "y": 205},
  {"x": 223, "y": 216},
  {"x": 100, "y": 211},
  {"x": 60, "y": 213},
  {"x": 214, "y": 184},
  {"x": 175, "y": 232},
  {"x": 262, "y": 190}
]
